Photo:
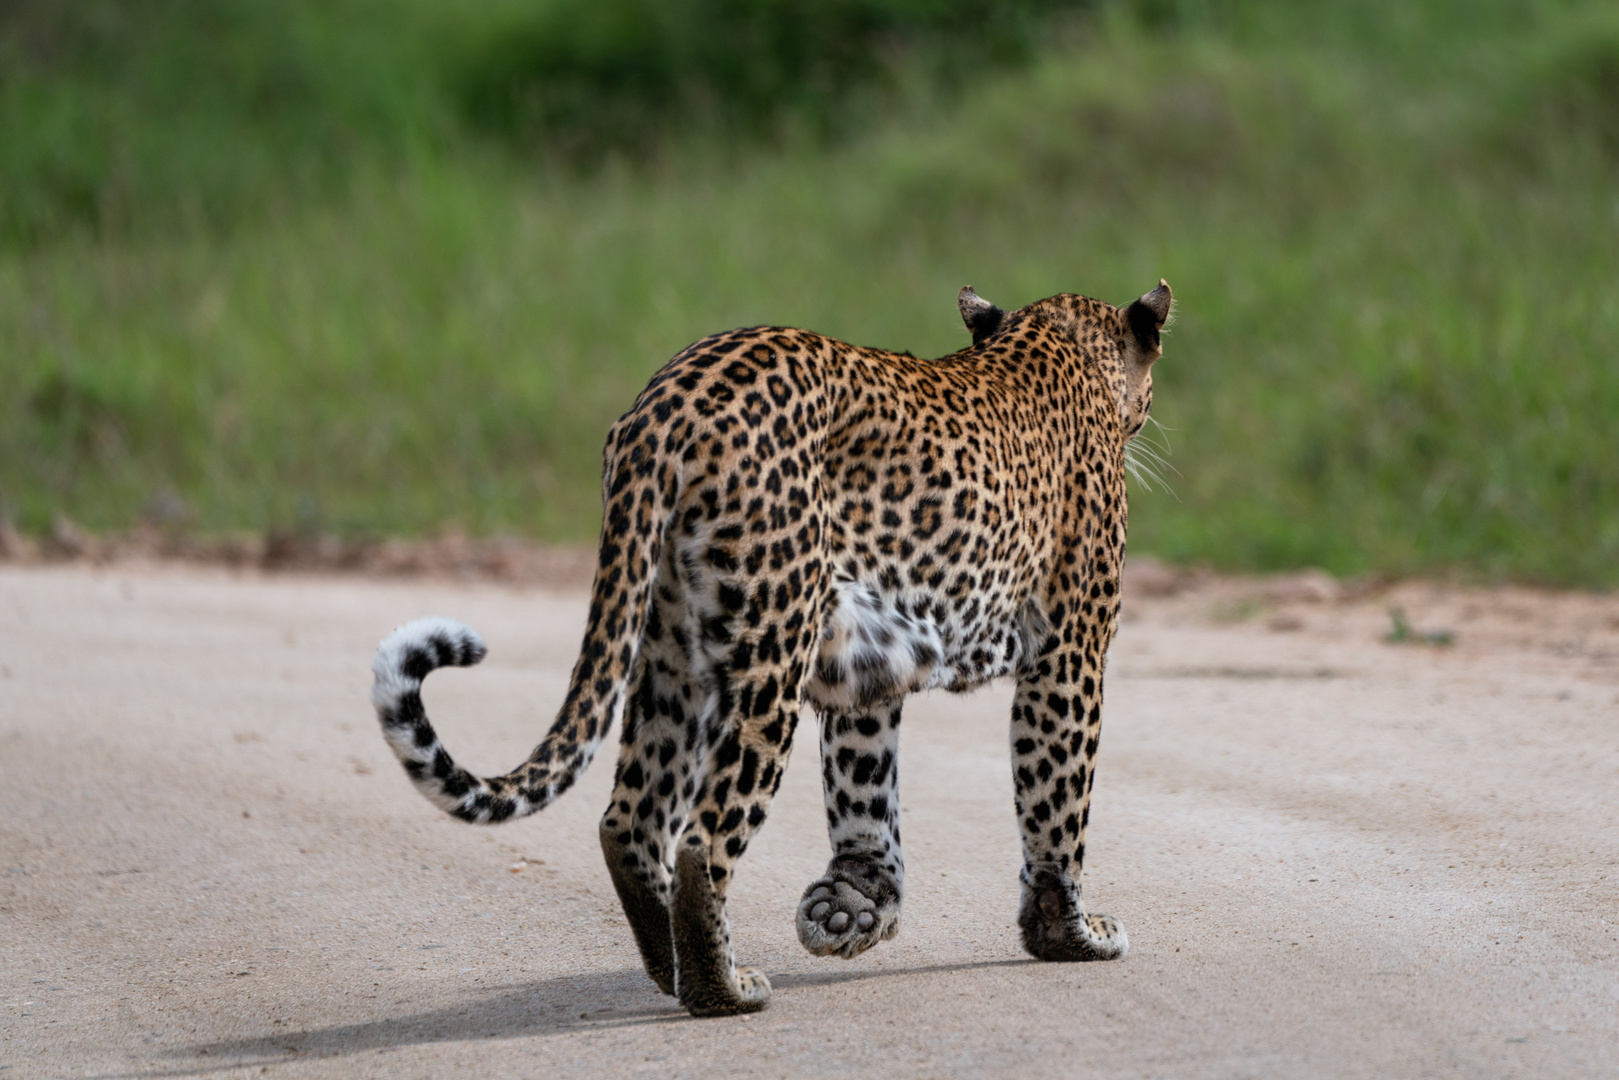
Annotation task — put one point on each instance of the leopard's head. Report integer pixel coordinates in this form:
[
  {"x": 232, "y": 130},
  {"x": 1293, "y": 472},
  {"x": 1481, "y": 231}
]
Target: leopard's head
[
  {"x": 1140, "y": 327},
  {"x": 1129, "y": 336}
]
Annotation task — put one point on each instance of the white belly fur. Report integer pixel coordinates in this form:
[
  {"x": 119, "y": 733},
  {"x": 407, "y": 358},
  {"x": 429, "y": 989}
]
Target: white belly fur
[{"x": 871, "y": 651}]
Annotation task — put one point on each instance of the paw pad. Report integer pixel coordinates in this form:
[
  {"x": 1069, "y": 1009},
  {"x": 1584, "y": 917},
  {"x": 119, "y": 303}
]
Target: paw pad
[
  {"x": 1056, "y": 927},
  {"x": 851, "y": 909}
]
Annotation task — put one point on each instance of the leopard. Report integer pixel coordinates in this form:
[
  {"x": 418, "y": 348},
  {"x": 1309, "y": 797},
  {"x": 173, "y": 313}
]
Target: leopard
[{"x": 795, "y": 525}]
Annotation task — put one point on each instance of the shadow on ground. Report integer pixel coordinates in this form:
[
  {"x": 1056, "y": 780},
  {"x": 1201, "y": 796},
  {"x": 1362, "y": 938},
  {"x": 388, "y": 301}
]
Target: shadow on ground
[{"x": 623, "y": 998}]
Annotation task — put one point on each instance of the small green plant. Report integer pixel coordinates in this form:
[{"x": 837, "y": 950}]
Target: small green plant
[{"x": 1403, "y": 633}]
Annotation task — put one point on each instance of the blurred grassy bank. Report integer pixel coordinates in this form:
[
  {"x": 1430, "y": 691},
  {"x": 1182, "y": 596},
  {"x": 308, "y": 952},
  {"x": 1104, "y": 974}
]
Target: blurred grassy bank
[{"x": 364, "y": 268}]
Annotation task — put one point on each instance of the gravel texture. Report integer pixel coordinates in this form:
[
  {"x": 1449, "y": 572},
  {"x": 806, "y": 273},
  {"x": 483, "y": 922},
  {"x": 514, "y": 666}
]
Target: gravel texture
[{"x": 1335, "y": 856}]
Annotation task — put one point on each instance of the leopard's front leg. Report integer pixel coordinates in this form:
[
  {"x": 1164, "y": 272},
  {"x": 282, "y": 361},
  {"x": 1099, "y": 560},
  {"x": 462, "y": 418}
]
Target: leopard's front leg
[
  {"x": 1056, "y": 722},
  {"x": 856, "y": 903}
]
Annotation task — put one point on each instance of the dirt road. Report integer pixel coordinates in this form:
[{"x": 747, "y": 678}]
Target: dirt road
[{"x": 1335, "y": 857}]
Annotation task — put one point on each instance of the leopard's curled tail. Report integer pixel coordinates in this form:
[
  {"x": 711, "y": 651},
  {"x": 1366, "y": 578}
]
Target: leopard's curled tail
[{"x": 639, "y": 495}]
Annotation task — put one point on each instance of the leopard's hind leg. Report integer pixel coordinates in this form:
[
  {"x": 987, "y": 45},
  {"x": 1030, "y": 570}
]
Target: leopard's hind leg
[
  {"x": 856, "y": 903},
  {"x": 758, "y": 652},
  {"x": 746, "y": 751},
  {"x": 654, "y": 786}
]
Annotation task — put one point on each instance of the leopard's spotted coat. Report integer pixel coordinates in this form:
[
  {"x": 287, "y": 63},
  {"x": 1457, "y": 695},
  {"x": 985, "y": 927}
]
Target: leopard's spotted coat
[{"x": 791, "y": 520}]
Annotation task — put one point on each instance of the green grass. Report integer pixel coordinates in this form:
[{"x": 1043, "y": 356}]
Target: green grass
[{"x": 1393, "y": 232}]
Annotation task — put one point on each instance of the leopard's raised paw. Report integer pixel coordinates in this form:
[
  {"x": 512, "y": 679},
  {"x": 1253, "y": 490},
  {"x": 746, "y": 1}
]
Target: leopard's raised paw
[{"x": 855, "y": 906}]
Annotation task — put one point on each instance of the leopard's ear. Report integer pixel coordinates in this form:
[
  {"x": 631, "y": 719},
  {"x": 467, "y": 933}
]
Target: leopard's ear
[
  {"x": 1146, "y": 317},
  {"x": 982, "y": 317}
]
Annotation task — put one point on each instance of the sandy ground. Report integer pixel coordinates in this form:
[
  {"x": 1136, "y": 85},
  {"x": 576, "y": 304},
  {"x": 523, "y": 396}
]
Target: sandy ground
[{"x": 1336, "y": 857}]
